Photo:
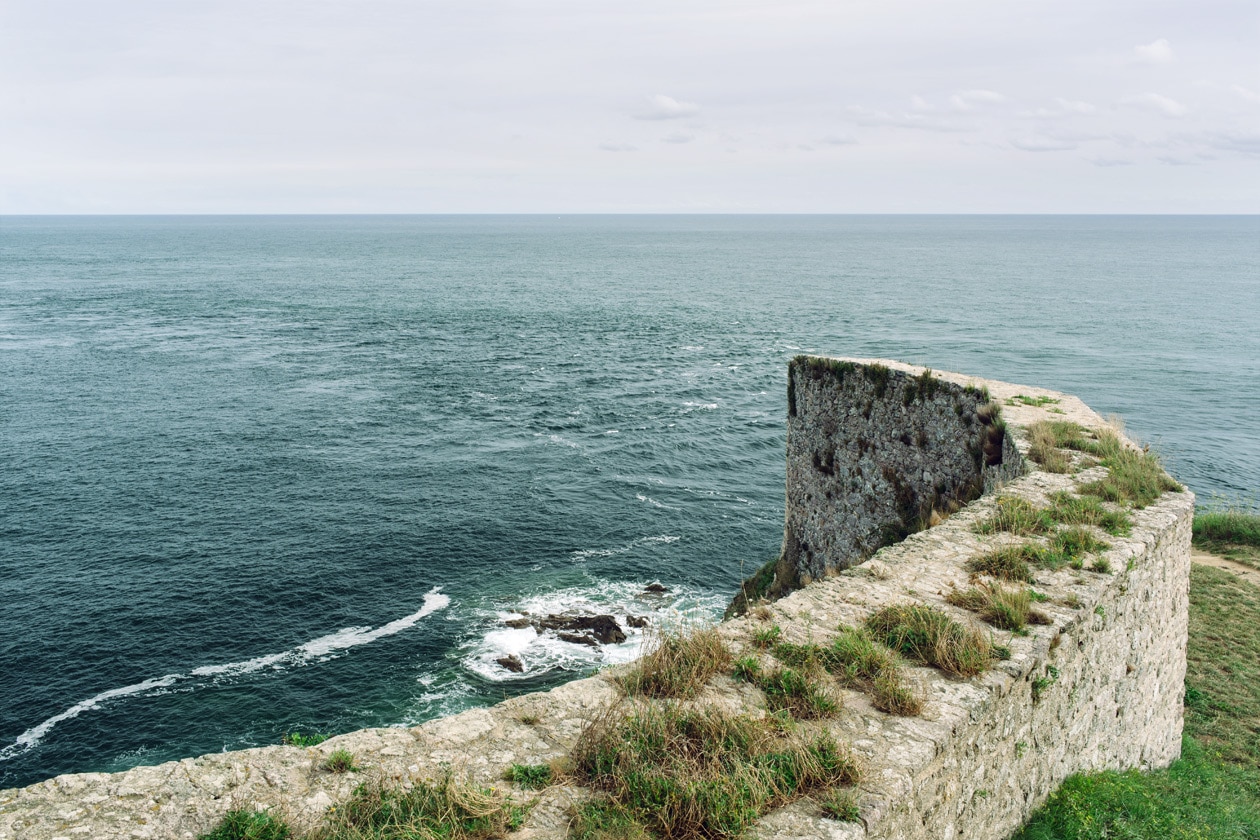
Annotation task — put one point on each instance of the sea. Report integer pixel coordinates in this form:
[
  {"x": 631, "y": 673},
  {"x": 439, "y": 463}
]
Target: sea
[{"x": 276, "y": 474}]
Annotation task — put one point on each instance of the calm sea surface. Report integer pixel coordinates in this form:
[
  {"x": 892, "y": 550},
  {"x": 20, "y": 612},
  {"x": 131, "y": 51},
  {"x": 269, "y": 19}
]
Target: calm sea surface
[{"x": 270, "y": 474}]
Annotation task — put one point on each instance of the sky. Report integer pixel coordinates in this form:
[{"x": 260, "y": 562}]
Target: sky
[{"x": 586, "y": 106}]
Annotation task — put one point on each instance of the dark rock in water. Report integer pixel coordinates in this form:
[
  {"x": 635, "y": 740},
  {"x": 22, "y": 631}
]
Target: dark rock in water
[
  {"x": 655, "y": 589},
  {"x": 604, "y": 628},
  {"x": 636, "y": 621},
  {"x": 512, "y": 663},
  {"x": 518, "y": 623},
  {"x": 577, "y": 639}
]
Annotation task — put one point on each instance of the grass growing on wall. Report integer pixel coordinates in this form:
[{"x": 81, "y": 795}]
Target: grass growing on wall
[
  {"x": 688, "y": 773},
  {"x": 1213, "y": 791}
]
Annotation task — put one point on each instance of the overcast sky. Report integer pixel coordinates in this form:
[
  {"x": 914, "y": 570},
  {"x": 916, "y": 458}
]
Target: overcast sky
[{"x": 280, "y": 106}]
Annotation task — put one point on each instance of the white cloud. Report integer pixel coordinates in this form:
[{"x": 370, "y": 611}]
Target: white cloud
[
  {"x": 678, "y": 138},
  {"x": 617, "y": 147},
  {"x": 1042, "y": 144},
  {"x": 1108, "y": 163},
  {"x": 1171, "y": 160},
  {"x": 1062, "y": 108},
  {"x": 1233, "y": 141},
  {"x": 1158, "y": 51},
  {"x": 661, "y": 107},
  {"x": 838, "y": 140},
  {"x": 969, "y": 100},
  {"x": 1247, "y": 94},
  {"x": 1158, "y": 103},
  {"x": 870, "y": 116}
]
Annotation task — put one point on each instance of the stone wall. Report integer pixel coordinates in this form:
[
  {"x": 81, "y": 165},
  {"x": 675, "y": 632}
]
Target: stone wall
[
  {"x": 872, "y": 453},
  {"x": 1100, "y": 686}
]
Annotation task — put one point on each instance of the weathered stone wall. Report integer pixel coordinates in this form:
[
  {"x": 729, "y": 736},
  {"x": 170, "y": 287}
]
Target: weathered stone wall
[
  {"x": 872, "y": 452},
  {"x": 983, "y": 754}
]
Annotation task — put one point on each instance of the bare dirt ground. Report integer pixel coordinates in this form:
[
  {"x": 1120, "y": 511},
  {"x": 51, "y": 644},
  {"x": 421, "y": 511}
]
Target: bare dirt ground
[{"x": 1245, "y": 572}]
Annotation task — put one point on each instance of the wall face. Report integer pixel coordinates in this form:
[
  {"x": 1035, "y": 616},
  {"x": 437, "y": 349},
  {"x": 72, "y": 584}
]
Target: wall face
[
  {"x": 1100, "y": 686},
  {"x": 871, "y": 452}
]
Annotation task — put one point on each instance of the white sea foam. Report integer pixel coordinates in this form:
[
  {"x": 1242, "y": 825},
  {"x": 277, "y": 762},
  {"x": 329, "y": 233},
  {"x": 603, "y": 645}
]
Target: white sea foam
[
  {"x": 31, "y": 737},
  {"x": 540, "y": 653},
  {"x": 317, "y": 649}
]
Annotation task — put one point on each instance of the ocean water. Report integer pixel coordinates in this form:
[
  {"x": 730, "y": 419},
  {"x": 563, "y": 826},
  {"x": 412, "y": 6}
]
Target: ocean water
[{"x": 290, "y": 473}]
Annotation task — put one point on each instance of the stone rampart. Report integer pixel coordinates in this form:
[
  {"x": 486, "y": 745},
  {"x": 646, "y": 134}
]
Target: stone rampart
[{"x": 1098, "y": 686}]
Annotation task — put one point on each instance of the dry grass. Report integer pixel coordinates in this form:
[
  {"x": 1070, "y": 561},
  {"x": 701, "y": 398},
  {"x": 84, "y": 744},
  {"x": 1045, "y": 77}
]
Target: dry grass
[
  {"x": 1088, "y": 510},
  {"x": 439, "y": 810},
  {"x": 1043, "y": 447},
  {"x": 925, "y": 634},
  {"x": 1135, "y": 477},
  {"x": 1071, "y": 546},
  {"x": 1006, "y": 609},
  {"x": 1013, "y": 515},
  {"x": 1010, "y": 562},
  {"x": 686, "y": 773},
  {"x": 678, "y": 665}
]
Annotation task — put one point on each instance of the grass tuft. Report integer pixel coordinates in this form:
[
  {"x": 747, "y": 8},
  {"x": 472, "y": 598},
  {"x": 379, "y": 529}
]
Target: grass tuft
[
  {"x": 248, "y": 825},
  {"x": 297, "y": 739},
  {"x": 1070, "y": 546},
  {"x": 1014, "y": 515},
  {"x": 1135, "y": 476},
  {"x": 678, "y": 665},
  {"x": 1088, "y": 510},
  {"x": 1006, "y": 609},
  {"x": 1010, "y": 562},
  {"x": 798, "y": 692},
  {"x": 431, "y": 810},
  {"x": 925, "y": 634},
  {"x": 603, "y": 820},
  {"x": 685, "y": 773},
  {"x": 841, "y": 805},
  {"x": 530, "y": 776},
  {"x": 339, "y": 761},
  {"x": 766, "y": 636},
  {"x": 1043, "y": 447}
]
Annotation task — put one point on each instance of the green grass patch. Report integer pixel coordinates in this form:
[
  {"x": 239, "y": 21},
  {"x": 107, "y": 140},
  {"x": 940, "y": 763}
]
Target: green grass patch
[
  {"x": 1067, "y": 509},
  {"x": 841, "y": 804},
  {"x": 688, "y": 773},
  {"x": 798, "y": 692},
  {"x": 678, "y": 665},
  {"x": 766, "y": 636},
  {"x": 1035, "y": 402},
  {"x": 445, "y": 809},
  {"x": 925, "y": 634},
  {"x": 859, "y": 661},
  {"x": 1231, "y": 532},
  {"x": 339, "y": 761},
  {"x": 1006, "y": 609},
  {"x": 604, "y": 820},
  {"x": 1213, "y": 791},
  {"x": 1135, "y": 476},
  {"x": 1044, "y": 448},
  {"x": 248, "y": 825},
  {"x": 1071, "y": 546},
  {"x": 297, "y": 739},
  {"x": 1013, "y": 515},
  {"x": 530, "y": 776},
  {"x": 1010, "y": 562}
]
